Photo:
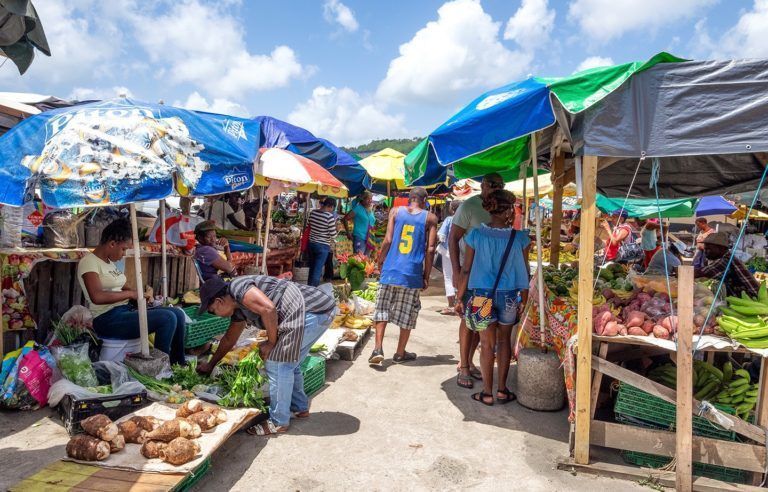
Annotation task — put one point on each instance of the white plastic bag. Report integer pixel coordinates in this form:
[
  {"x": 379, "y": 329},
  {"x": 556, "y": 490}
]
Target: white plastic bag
[
  {"x": 122, "y": 384},
  {"x": 363, "y": 306}
]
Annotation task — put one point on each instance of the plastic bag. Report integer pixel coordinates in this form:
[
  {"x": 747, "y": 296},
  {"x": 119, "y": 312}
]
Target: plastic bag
[
  {"x": 363, "y": 306},
  {"x": 75, "y": 364},
  {"x": 60, "y": 230},
  {"x": 26, "y": 377},
  {"x": 118, "y": 377}
]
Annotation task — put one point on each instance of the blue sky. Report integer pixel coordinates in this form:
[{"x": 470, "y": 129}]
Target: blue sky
[{"x": 354, "y": 70}]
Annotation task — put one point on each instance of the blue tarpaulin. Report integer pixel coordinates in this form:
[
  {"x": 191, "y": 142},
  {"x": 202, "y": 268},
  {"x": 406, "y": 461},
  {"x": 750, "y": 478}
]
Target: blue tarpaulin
[{"x": 714, "y": 205}]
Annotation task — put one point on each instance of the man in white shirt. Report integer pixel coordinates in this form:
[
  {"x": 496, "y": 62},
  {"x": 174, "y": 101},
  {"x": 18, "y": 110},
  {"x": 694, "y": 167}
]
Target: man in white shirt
[{"x": 226, "y": 212}]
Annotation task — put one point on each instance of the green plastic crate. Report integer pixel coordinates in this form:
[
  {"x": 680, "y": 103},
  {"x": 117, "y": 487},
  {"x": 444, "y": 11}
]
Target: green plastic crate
[
  {"x": 203, "y": 327},
  {"x": 636, "y": 403},
  {"x": 313, "y": 369},
  {"x": 194, "y": 476},
  {"x": 730, "y": 475}
]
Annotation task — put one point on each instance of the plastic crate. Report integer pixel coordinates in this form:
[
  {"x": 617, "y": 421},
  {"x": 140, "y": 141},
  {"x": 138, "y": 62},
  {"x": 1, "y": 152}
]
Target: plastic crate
[
  {"x": 194, "y": 476},
  {"x": 72, "y": 410},
  {"x": 203, "y": 327},
  {"x": 730, "y": 475},
  {"x": 636, "y": 403},
  {"x": 313, "y": 369}
]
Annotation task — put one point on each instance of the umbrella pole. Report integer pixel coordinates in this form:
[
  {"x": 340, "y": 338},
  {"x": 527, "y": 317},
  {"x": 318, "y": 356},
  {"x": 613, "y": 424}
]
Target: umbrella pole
[
  {"x": 539, "y": 251},
  {"x": 525, "y": 197},
  {"x": 259, "y": 219},
  {"x": 142, "y": 303},
  {"x": 266, "y": 238},
  {"x": 164, "y": 253}
]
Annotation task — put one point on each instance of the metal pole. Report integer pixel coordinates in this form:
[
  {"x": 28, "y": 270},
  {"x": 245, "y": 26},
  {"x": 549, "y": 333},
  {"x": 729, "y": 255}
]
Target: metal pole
[
  {"x": 164, "y": 253},
  {"x": 539, "y": 250},
  {"x": 142, "y": 303}
]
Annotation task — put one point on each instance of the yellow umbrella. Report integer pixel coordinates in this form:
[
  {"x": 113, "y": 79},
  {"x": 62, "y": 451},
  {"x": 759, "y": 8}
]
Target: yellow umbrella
[
  {"x": 386, "y": 166},
  {"x": 755, "y": 215}
]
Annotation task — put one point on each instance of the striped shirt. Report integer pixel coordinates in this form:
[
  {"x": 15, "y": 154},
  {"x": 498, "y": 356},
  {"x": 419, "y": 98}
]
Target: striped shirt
[
  {"x": 322, "y": 227},
  {"x": 292, "y": 302}
]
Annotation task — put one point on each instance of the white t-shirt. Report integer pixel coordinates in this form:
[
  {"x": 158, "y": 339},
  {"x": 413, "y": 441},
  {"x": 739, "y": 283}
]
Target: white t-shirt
[
  {"x": 110, "y": 276},
  {"x": 219, "y": 212},
  {"x": 469, "y": 215}
]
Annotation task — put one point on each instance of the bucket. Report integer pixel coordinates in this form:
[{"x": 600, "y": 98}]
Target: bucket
[{"x": 115, "y": 350}]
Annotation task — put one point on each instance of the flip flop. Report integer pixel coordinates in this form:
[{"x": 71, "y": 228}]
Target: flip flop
[
  {"x": 301, "y": 415},
  {"x": 265, "y": 429},
  {"x": 480, "y": 397},
  {"x": 464, "y": 381},
  {"x": 476, "y": 373},
  {"x": 509, "y": 399}
]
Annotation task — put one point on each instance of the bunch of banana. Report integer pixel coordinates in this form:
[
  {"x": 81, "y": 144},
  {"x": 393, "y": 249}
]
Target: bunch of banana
[
  {"x": 357, "y": 322},
  {"x": 573, "y": 292},
  {"x": 739, "y": 394},
  {"x": 744, "y": 320},
  {"x": 339, "y": 320},
  {"x": 622, "y": 294},
  {"x": 598, "y": 300}
]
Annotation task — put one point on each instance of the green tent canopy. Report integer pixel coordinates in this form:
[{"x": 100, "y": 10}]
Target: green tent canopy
[{"x": 648, "y": 208}]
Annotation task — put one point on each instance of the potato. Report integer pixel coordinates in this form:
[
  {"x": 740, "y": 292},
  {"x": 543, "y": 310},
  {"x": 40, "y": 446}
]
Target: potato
[
  {"x": 660, "y": 332},
  {"x": 636, "y": 330}
]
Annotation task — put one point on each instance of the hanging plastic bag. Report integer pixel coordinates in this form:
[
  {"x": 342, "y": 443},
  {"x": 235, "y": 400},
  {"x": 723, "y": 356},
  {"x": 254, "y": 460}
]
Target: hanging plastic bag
[
  {"x": 117, "y": 376},
  {"x": 75, "y": 364}
]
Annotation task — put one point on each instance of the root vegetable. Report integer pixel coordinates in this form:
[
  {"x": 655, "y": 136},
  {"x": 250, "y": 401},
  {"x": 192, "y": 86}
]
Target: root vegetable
[
  {"x": 611, "y": 329},
  {"x": 601, "y": 320},
  {"x": 698, "y": 321},
  {"x": 151, "y": 449},
  {"x": 670, "y": 323},
  {"x": 117, "y": 444},
  {"x": 170, "y": 430},
  {"x": 221, "y": 415},
  {"x": 87, "y": 448},
  {"x": 660, "y": 332},
  {"x": 636, "y": 330},
  {"x": 608, "y": 293},
  {"x": 622, "y": 330},
  {"x": 132, "y": 432},
  {"x": 205, "y": 420},
  {"x": 635, "y": 318},
  {"x": 100, "y": 426},
  {"x": 147, "y": 423},
  {"x": 189, "y": 407},
  {"x": 179, "y": 451},
  {"x": 648, "y": 325}
]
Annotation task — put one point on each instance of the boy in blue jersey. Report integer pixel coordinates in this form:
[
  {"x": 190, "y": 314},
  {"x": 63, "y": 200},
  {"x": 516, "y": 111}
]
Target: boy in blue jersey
[{"x": 405, "y": 267}]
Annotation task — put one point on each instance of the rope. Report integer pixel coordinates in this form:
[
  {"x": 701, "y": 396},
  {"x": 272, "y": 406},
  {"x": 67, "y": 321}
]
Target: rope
[
  {"x": 621, "y": 211},
  {"x": 730, "y": 259},
  {"x": 655, "y": 170}
]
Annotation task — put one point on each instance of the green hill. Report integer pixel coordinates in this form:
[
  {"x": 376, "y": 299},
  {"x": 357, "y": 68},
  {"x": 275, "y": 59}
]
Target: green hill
[{"x": 403, "y": 145}]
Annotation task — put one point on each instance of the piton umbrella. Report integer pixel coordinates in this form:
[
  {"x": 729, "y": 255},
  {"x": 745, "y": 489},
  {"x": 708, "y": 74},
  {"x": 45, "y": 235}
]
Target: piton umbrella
[
  {"x": 279, "y": 134},
  {"x": 386, "y": 170},
  {"x": 122, "y": 151},
  {"x": 492, "y": 133},
  {"x": 714, "y": 205}
]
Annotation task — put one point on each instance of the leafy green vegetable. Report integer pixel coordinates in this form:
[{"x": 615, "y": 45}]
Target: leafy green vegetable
[
  {"x": 245, "y": 386},
  {"x": 187, "y": 376}
]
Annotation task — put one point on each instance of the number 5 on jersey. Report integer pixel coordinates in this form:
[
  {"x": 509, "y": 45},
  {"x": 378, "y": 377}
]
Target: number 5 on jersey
[{"x": 406, "y": 239}]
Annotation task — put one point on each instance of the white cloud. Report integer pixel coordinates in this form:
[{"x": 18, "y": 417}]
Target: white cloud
[
  {"x": 531, "y": 25},
  {"x": 336, "y": 12},
  {"x": 746, "y": 39},
  {"x": 460, "y": 50},
  {"x": 197, "y": 102},
  {"x": 594, "y": 62},
  {"x": 87, "y": 93},
  {"x": 603, "y": 20},
  {"x": 345, "y": 117},
  {"x": 224, "y": 68}
]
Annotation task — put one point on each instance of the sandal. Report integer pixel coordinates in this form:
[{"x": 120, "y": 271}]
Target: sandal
[
  {"x": 476, "y": 373},
  {"x": 301, "y": 415},
  {"x": 265, "y": 429},
  {"x": 447, "y": 311},
  {"x": 480, "y": 397},
  {"x": 464, "y": 381},
  {"x": 510, "y": 397}
]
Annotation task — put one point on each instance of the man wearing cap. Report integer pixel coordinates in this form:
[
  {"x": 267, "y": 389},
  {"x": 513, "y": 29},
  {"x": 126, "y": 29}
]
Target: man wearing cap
[
  {"x": 738, "y": 278},
  {"x": 208, "y": 253},
  {"x": 295, "y": 316},
  {"x": 405, "y": 263}
]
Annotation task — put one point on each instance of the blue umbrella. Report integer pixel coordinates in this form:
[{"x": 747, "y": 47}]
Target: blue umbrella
[
  {"x": 277, "y": 133},
  {"x": 123, "y": 151},
  {"x": 714, "y": 205}
]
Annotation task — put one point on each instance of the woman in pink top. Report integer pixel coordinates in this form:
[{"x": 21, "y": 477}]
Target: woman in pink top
[{"x": 618, "y": 235}]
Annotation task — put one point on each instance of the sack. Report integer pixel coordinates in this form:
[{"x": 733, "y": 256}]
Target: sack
[
  {"x": 478, "y": 312},
  {"x": 60, "y": 230}
]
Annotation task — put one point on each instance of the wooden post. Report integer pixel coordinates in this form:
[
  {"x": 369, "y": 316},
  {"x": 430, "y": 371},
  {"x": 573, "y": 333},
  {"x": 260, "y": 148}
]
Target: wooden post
[
  {"x": 584, "y": 356},
  {"x": 761, "y": 411},
  {"x": 164, "y": 253},
  {"x": 266, "y": 237},
  {"x": 684, "y": 425},
  {"x": 539, "y": 248},
  {"x": 142, "y": 303},
  {"x": 557, "y": 209},
  {"x": 525, "y": 196}
]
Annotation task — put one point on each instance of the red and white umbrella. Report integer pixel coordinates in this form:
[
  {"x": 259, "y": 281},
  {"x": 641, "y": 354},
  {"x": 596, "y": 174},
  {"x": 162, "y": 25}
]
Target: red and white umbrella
[{"x": 301, "y": 173}]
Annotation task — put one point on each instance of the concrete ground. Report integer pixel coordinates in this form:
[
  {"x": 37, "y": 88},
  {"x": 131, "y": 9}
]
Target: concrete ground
[{"x": 398, "y": 427}]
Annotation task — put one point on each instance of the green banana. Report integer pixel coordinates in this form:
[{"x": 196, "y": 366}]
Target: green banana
[
  {"x": 742, "y": 373},
  {"x": 727, "y": 372},
  {"x": 713, "y": 370},
  {"x": 739, "y": 383},
  {"x": 705, "y": 390}
]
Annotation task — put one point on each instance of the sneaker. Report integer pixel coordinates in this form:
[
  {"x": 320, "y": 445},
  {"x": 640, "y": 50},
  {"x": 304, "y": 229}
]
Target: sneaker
[
  {"x": 377, "y": 357},
  {"x": 406, "y": 357}
]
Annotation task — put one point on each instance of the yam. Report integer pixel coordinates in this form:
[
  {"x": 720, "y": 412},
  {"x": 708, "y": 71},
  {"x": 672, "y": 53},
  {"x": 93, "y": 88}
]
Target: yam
[
  {"x": 205, "y": 420},
  {"x": 648, "y": 325},
  {"x": 611, "y": 329},
  {"x": 670, "y": 323},
  {"x": 189, "y": 407},
  {"x": 660, "y": 332},
  {"x": 194, "y": 431},
  {"x": 179, "y": 451},
  {"x": 132, "y": 432},
  {"x": 100, "y": 426},
  {"x": 87, "y": 448},
  {"x": 698, "y": 321},
  {"x": 151, "y": 449},
  {"x": 636, "y": 330},
  {"x": 221, "y": 415},
  {"x": 147, "y": 423},
  {"x": 622, "y": 329},
  {"x": 170, "y": 430},
  {"x": 117, "y": 444},
  {"x": 601, "y": 320},
  {"x": 635, "y": 319}
]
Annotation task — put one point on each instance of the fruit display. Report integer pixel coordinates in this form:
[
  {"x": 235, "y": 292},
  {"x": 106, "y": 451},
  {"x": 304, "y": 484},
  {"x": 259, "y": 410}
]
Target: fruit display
[
  {"x": 369, "y": 294},
  {"x": 725, "y": 385},
  {"x": 351, "y": 321},
  {"x": 745, "y": 319},
  {"x": 563, "y": 257}
]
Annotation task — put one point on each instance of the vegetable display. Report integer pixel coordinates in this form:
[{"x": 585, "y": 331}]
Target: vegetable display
[
  {"x": 75, "y": 365},
  {"x": 369, "y": 294},
  {"x": 245, "y": 386},
  {"x": 746, "y": 319}
]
